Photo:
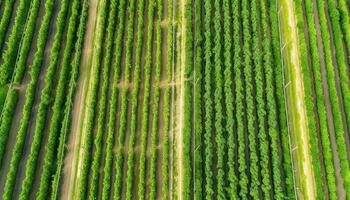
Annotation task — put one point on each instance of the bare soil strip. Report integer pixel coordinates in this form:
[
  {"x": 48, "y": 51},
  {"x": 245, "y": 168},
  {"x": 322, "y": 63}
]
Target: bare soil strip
[
  {"x": 180, "y": 103},
  {"x": 72, "y": 155},
  {"x": 295, "y": 101}
]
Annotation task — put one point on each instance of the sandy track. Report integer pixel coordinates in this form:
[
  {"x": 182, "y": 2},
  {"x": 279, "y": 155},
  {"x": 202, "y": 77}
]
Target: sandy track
[
  {"x": 72, "y": 155},
  {"x": 180, "y": 104}
]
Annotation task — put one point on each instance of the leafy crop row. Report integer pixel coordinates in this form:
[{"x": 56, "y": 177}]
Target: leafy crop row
[
  {"x": 340, "y": 59},
  {"x": 320, "y": 101},
  {"x": 10, "y": 54},
  {"x": 7, "y": 115},
  {"x": 278, "y": 79},
  {"x": 156, "y": 96},
  {"x": 208, "y": 102},
  {"x": 95, "y": 167},
  {"x": 187, "y": 71},
  {"x": 58, "y": 106},
  {"x": 5, "y": 20},
  {"x": 145, "y": 104},
  {"x": 93, "y": 92},
  {"x": 30, "y": 96},
  {"x": 249, "y": 111},
  {"x": 260, "y": 84},
  {"x": 134, "y": 100},
  {"x": 198, "y": 129},
  {"x": 113, "y": 102},
  {"x": 45, "y": 100},
  {"x": 124, "y": 101},
  {"x": 309, "y": 102},
  {"x": 19, "y": 70},
  {"x": 336, "y": 112}
]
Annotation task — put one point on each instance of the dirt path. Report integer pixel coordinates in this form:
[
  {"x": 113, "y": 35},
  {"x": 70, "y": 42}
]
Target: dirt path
[
  {"x": 69, "y": 170},
  {"x": 180, "y": 103},
  {"x": 295, "y": 100}
]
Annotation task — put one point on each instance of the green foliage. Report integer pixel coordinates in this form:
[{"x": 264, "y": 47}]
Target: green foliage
[
  {"x": 96, "y": 163},
  {"x": 10, "y": 54},
  {"x": 30, "y": 96},
  {"x": 218, "y": 99},
  {"x": 277, "y": 73},
  {"x": 124, "y": 102},
  {"x": 146, "y": 99},
  {"x": 134, "y": 100},
  {"x": 27, "y": 40},
  {"x": 341, "y": 62},
  {"x": 247, "y": 72},
  {"x": 309, "y": 102},
  {"x": 8, "y": 112},
  {"x": 263, "y": 86},
  {"x": 45, "y": 100},
  {"x": 113, "y": 103},
  {"x": 239, "y": 105},
  {"x": 208, "y": 102},
  {"x": 198, "y": 109},
  {"x": 93, "y": 101},
  {"x": 58, "y": 106},
  {"x": 74, "y": 73},
  {"x": 5, "y": 20},
  {"x": 320, "y": 102},
  {"x": 336, "y": 112}
]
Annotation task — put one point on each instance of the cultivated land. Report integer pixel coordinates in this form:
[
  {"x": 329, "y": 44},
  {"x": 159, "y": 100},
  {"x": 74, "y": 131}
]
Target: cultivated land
[{"x": 165, "y": 99}]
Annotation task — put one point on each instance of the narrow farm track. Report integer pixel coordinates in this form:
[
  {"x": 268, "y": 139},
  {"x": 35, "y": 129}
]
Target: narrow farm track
[
  {"x": 180, "y": 104},
  {"x": 74, "y": 138},
  {"x": 295, "y": 101},
  {"x": 178, "y": 100}
]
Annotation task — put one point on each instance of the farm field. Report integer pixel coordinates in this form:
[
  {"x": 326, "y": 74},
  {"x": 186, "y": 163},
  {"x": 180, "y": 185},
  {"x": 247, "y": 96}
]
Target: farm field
[{"x": 174, "y": 99}]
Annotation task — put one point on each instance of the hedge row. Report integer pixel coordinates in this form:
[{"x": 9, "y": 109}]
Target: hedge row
[
  {"x": 7, "y": 115},
  {"x": 261, "y": 94},
  {"x": 27, "y": 40},
  {"x": 188, "y": 101},
  {"x": 134, "y": 101},
  {"x": 145, "y": 109},
  {"x": 5, "y": 20},
  {"x": 218, "y": 99},
  {"x": 250, "y": 108},
  {"x": 239, "y": 108},
  {"x": 93, "y": 92},
  {"x": 155, "y": 106},
  {"x": 320, "y": 102},
  {"x": 198, "y": 100},
  {"x": 44, "y": 104},
  {"x": 29, "y": 101},
  {"x": 106, "y": 186},
  {"x": 341, "y": 60},
  {"x": 208, "y": 102},
  {"x": 124, "y": 101},
  {"x": 336, "y": 111},
  {"x": 345, "y": 23},
  {"x": 20, "y": 66},
  {"x": 74, "y": 74},
  {"x": 9, "y": 56},
  {"x": 96, "y": 163},
  {"x": 58, "y": 106},
  {"x": 271, "y": 108}
]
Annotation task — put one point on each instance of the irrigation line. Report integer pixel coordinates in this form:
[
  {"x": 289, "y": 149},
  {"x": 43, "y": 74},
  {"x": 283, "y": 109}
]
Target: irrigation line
[
  {"x": 17, "y": 57},
  {"x": 284, "y": 94}
]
